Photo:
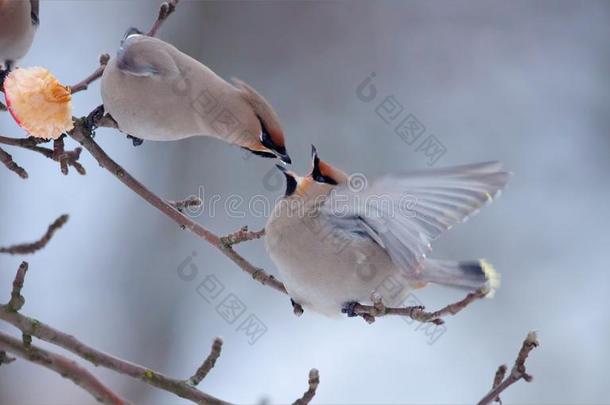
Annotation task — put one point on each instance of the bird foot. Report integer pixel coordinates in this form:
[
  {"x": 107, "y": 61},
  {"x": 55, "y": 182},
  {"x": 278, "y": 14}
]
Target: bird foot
[
  {"x": 296, "y": 307},
  {"x": 93, "y": 118},
  {"x": 8, "y": 66},
  {"x": 3, "y": 74},
  {"x": 135, "y": 141},
  {"x": 349, "y": 308}
]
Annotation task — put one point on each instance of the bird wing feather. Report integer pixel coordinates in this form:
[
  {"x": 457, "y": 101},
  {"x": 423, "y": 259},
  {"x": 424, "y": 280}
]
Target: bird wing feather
[{"x": 404, "y": 213}]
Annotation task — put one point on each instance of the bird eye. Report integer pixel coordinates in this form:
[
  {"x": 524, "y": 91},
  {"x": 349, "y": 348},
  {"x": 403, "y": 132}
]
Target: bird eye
[
  {"x": 266, "y": 137},
  {"x": 319, "y": 177}
]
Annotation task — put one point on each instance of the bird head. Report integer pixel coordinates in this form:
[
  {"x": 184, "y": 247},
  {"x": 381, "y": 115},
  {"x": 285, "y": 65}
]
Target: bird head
[
  {"x": 269, "y": 139},
  {"x": 270, "y": 143},
  {"x": 323, "y": 173},
  {"x": 322, "y": 179}
]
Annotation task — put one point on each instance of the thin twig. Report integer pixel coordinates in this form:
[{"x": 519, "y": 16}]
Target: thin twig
[
  {"x": 32, "y": 327},
  {"x": 81, "y": 135},
  {"x": 417, "y": 312},
  {"x": 314, "y": 381},
  {"x": 500, "y": 374},
  {"x": 191, "y": 202},
  {"x": 22, "y": 142},
  {"x": 243, "y": 235},
  {"x": 517, "y": 373},
  {"x": 84, "y": 84},
  {"x": 29, "y": 248},
  {"x": 63, "y": 366},
  {"x": 165, "y": 11},
  {"x": 59, "y": 154},
  {"x": 207, "y": 365},
  {"x": 17, "y": 301},
  {"x": 5, "y": 359},
  {"x": 7, "y": 160},
  {"x": 71, "y": 157}
]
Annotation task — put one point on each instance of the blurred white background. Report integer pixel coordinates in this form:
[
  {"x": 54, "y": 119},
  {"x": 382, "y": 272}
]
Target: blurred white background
[{"x": 522, "y": 82}]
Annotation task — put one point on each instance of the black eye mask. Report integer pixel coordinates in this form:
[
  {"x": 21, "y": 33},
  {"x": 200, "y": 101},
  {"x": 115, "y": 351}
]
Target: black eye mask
[
  {"x": 291, "y": 182},
  {"x": 318, "y": 176}
]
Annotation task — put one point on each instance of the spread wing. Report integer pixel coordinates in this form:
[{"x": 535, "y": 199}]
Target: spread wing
[{"x": 404, "y": 213}]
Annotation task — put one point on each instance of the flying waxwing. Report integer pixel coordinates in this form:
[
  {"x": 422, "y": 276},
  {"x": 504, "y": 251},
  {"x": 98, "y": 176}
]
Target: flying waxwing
[
  {"x": 155, "y": 92},
  {"x": 18, "y": 23},
  {"x": 337, "y": 239}
]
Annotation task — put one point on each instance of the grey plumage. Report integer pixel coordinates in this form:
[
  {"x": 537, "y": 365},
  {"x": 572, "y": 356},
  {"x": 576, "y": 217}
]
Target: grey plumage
[
  {"x": 18, "y": 22},
  {"x": 405, "y": 213},
  {"x": 155, "y": 92}
]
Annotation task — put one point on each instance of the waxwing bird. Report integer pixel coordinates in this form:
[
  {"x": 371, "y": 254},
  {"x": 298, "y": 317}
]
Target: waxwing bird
[
  {"x": 18, "y": 24},
  {"x": 336, "y": 241},
  {"x": 155, "y": 92}
]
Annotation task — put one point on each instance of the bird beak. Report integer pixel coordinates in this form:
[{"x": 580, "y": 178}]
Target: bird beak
[
  {"x": 277, "y": 149},
  {"x": 284, "y": 157},
  {"x": 291, "y": 181}
]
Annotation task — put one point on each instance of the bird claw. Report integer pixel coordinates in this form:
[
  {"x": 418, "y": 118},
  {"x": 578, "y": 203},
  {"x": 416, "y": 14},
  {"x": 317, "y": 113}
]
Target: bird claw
[
  {"x": 8, "y": 66},
  {"x": 135, "y": 141},
  {"x": 3, "y": 74},
  {"x": 349, "y": 308},
  {"x": 93, "y": 118},
  {"x": 296, "y": 307}
]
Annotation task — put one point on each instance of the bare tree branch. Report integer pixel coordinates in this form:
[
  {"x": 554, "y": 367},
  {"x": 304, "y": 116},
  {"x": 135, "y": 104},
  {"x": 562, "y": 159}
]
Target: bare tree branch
[
  {"x": 314, "y": 381},
  {"x": 29, "y": 248},
  {"x": 70, "y": 157},
  {"x": 188, "y": 203},
  {"x": 81, "y": 135},
  {"x": 243, "y": 235},
  {"x": 84, "y": 84},
  {"x": 517, "y": 373},
  {"x": 59, "y": 154},
  {"x": 45, "y": 332},
  {"x": 208, "y": 364},
  {"x": 500, "y": 374},
  {"x": 5, "y": 359},
  {"x": 32, "y": 327},
  {"x": 7, "y": 160},
  {"x": 22, "y": 142},
  {"x": 17, "y": 300},
  {"x": 63, "y": 366},
  {"x": 165, "y": 11},
  {"x": 418, "y": 313}
]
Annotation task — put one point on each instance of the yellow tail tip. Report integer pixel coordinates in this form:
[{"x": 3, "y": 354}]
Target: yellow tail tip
[{"x": 492, "y": 276}]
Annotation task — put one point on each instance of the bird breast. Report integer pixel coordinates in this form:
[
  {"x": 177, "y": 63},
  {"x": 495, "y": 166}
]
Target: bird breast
[{"x": 322, "y": 267}]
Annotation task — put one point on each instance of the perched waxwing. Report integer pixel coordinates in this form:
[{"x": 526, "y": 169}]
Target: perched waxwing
[
  {"x": 155, "y": 92},
  {"x": 18, "y": 23},
  {"x": 336, "y": 239}
]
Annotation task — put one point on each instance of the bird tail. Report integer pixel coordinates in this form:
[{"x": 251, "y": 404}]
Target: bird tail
[{"x": 471, "y": 275}]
